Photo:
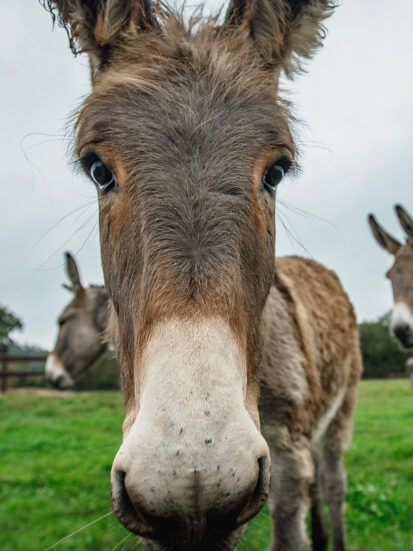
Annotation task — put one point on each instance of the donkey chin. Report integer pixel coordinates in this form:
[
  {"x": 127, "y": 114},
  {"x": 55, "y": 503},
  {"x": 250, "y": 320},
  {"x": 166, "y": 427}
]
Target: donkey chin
[
  {"x": 401, "y": 325},
  {"x": 220, "y": 541}
]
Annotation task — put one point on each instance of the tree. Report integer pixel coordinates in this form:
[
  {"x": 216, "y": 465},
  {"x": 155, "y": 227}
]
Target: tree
[
  {"x": 8, "y": 323},
  {"x": 382, "y": 355}
]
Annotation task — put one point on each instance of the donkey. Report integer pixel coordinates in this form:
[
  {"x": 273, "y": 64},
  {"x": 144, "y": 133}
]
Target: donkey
[
  {"x": 93, "y": 345},
  {"x": 82, "y": 324},
  {"x": 400, "y": 275},
  {"x": 186, "y": 139}
]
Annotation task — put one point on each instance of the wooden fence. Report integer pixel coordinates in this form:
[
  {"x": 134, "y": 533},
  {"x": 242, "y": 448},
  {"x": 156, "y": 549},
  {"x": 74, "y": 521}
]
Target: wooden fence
[{"x": 6, "y": 359}]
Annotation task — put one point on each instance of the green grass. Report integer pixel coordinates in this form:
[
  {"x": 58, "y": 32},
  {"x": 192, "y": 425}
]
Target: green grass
[
  {"x": 379, "y": 464},
  {"x": 56, "y": 455}
]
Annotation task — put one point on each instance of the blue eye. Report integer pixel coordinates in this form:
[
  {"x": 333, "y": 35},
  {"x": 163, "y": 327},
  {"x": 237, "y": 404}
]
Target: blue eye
[
  {"x": 100, "y": 173},
  {"x": 273, "y": 176}
]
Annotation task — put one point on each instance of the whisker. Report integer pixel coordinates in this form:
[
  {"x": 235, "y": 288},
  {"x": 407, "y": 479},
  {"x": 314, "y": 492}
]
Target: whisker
[
  {"x": 121, "y": 541},
  {"x": 87, "y": 238},
  {"x": 294, "y": 232},
  {"x": 37, "y": 144},
  {"x": 40, "y": 268},
  {"x": 293, "y": 235},
  {"x": 79, "y": 216},
  {"x": 52, "y": 445},
  {"x": 65, "y": 243},
  {"x": 306, "y": 214},
  {"x": 79, "y": 530},
  {"x": 77, "y": 194},
  {"x": 31, "y": 164},
  {"x": 43, "y": 134},
  {"x": 324, "y": 147},
  {"x": 280, "y": 218},
  {"x": 86, "y": 205},
  {"x": 264, "y": 514}
]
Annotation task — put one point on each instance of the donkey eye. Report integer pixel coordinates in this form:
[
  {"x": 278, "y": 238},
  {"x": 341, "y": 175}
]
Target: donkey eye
[
  {"x": 99, "y": 172},
  {"x": 274, "y": 174}
]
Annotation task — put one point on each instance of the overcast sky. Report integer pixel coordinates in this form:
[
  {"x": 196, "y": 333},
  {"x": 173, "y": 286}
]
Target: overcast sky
[{"x": 356, "y": 101}]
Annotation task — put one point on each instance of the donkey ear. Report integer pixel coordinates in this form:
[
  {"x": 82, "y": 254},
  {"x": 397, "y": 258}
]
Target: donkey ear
[
  {"x": 98, "y": 26},
  {"x": 405, "y": 220},
  {"x": 283, "y": 31},
  {"x": 73, "y": 273},
  {"x": 383, "y": 238}
]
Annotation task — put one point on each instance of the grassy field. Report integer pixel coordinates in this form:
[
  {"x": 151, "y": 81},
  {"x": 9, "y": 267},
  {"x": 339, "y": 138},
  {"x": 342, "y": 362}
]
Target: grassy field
[{"x": 56, "y": 455}]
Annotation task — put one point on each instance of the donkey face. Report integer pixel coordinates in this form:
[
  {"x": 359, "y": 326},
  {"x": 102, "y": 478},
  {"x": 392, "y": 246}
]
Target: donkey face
[
  {"x": 186, "y": 139},
  {"x": 400, "y": 275},
  {"x": 81, "y": 324}
]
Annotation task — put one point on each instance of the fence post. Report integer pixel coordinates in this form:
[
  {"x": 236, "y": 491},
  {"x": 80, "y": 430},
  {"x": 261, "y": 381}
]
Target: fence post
[{"x": 3, "y": 352}]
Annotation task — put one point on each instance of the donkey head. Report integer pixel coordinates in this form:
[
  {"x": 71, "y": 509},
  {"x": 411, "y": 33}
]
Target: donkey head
[
  {"x": 81, "y": 326},
  {"x": 400, "y": 275},
  {"x": 186, "y": 139}
]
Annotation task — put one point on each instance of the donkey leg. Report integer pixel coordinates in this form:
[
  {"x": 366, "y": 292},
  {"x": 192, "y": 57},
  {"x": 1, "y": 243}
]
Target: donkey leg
[
  {"x": 292, "y": 474},
  {"x": 336, "y": 439},
  {"x": 334, "y": 487},
  {"x": 319, "y": 536}
]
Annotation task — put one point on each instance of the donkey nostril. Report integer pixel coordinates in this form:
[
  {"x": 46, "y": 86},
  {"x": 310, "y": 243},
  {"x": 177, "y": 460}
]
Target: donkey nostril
[
  {"x": 124, "y": 509},
  {"x": 55, "y": 382},
  {"x": 402, "y": 331},
  {"x": 260, "y": 495}
]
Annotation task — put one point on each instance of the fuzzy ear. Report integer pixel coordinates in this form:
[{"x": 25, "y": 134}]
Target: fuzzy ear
[
  {"x": 283, "y": 31},
  {"x": 384, "y": 239},
  {"x": 73, "y": 273},
  {"x": 405, "y": 220},
  {"x": 98, "y": 26}
]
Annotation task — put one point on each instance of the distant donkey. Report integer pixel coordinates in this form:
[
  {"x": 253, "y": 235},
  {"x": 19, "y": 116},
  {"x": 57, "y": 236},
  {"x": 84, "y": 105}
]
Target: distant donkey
[
  {"x": 82, "y": 325},
  {"x": 400, "y": 275},
  {"x": 186, "y": 138}
]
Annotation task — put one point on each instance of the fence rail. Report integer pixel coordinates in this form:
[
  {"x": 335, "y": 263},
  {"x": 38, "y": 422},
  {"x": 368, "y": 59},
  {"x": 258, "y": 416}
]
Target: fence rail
[{"x": 6, "y": 359}]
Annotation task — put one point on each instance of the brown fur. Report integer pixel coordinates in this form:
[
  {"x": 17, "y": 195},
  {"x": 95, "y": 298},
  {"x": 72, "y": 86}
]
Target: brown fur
[
  {"x": 326, "y": 331},
  {"x": 311, "y": 354}
]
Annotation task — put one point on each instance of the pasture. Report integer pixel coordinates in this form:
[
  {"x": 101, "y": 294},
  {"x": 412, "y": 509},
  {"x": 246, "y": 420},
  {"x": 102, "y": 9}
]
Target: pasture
[{"x": 56, "y": 454}]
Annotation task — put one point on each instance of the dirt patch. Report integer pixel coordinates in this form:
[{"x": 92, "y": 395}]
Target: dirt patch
[{"x": 42, "y": 392}]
